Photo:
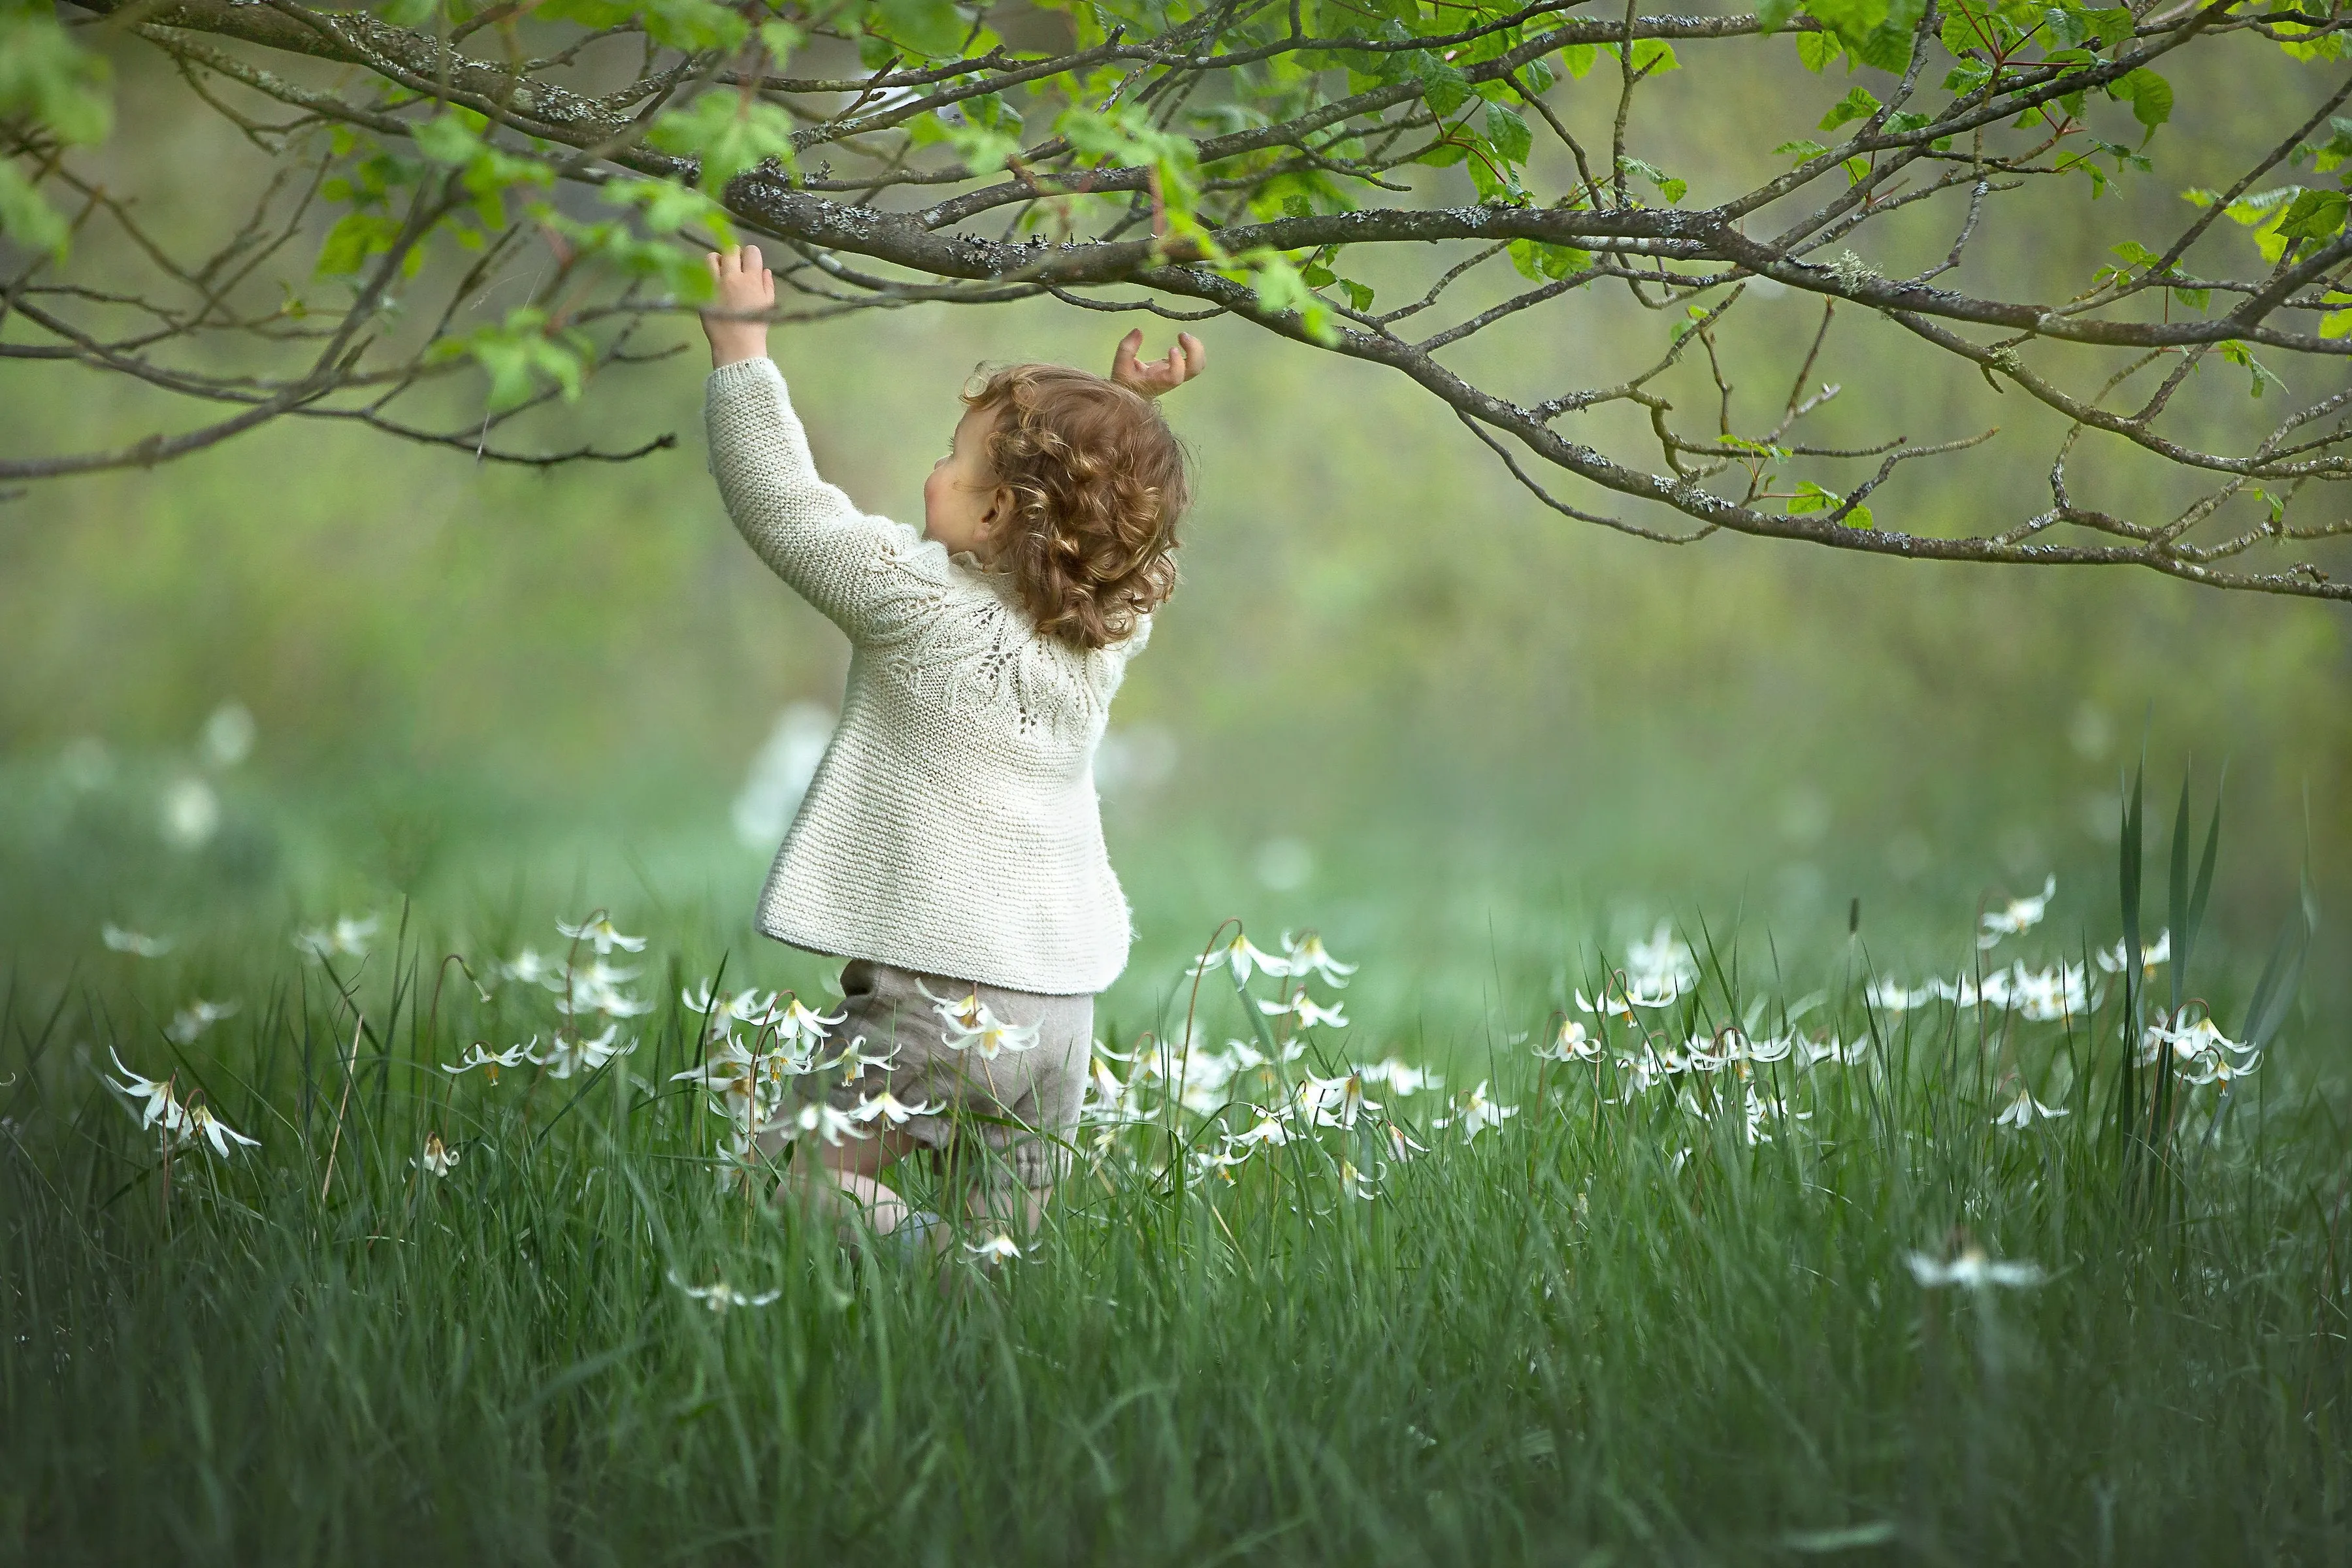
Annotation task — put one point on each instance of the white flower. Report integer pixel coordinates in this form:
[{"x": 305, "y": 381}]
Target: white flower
[
  {"x": 817, "y": 1116},
  {"x": 1334, "y": 1101},
  {"x": 1307, "y": 956},
  {"x": 192, "y": 813},
  {"x": 157, "y": 1092},
  {"x": 1478, "y": 1113},
  {"x": 1813, "y": 1053},
  {"x": 599, "y": 931},
  {"x": 2113, "y": 959},
  {"x": 203, "y": 1123},
  {"x": 1573, "y": 1044},
  {"x": 1357, "y": 1184},
  {"x": 567, "y": 1056},
  {"x": 997, "y": 1248},
  {"x": 346, "y": 938},
  {"x": 130, "y": 942},
  {"x": 1405, "y": 1147},
  {"x": 2218, "y": 1069},
  {"x": 888, "y": 1107},
  {"x": 531, "y": 969},
  {"x": 1402, "y": 1078},
  {"x": 853, "y": 1061},
  {"x": 479, "y": 1055},
  {"x": 197, "y": 1017},
  {"x": 1890, "y": 995},
  {"x": 1241, "y": 955},
  {"x": 438, "y": 1157},
  {"x": 226, "y": 738},
  {"x": 1269, "y": 1131},
  {"x": 2019, "y": 915},
  {"x": 2189, "y": 1042},
  {"x": 1661, "y": 966},
  {"x": 2021, "y": 1111},
  {"x": 725, "y": 1009},
  {"x": 971, "y": 1027},
  {"x": 719, "y": 1296},
  {"x": 1973, "y": 1270},
  {"x": 800, "y": 1027},
  {"x": 1305, "y": 1012}
]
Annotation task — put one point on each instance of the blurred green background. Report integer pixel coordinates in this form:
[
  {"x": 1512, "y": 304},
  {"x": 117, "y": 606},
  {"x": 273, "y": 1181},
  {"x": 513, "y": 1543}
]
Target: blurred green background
[{"x": 1396, "y": 697}]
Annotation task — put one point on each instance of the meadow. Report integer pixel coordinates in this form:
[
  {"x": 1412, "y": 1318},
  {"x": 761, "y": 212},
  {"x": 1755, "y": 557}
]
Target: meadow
[
  {"x": 1679, "y": 1180},
  {"x": 433, "y": 1247}
]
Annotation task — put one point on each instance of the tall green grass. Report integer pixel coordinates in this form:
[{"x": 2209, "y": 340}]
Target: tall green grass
[{"x": 1616, "y": 1327}]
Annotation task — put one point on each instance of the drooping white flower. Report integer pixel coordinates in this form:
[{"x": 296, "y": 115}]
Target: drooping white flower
[
  {"x": 1242, "y": 956},
  {"x": 123, "y": 939},
  {"x": 1303, "y": 1009},
  {"x": 855, "y": 1061},
  {"x": 977, "y": 1030},
  {"x": 1404, "y": 1146},
  {"x": 202, "y": 1123},
  {"x": 1333, "y": 1101},
  {"x": 197, "y": 1017},
  {"x": 1661, "y": 967},
  {"x": 531, "y": 969},
  {"x": 1574, "y": 1043},
  {"x": 1479, "y": 1112},
  {"x": 887, "y": 1107},
  {"x": 2019, "y": 915},
  {"x": 600, "y": 932},
  {"x": 1973, "y": 1270},
  {"x": 2151, "y": 958},
  {"x": 1307, "y": 956},
  {"x": 439, "y": 1159},
  {"x": 725, "y": 1009},
  {"x": 1402, "y": 1078},
  {"x": 815, "y": 1116},
  {"x": 347, "y": 938},
  {"x": 160, "y": 1105},
  {"x": 799, "y": 1026},
  {"x": 2218, "y": 1069},
  {"x": 2189, "y": 1042},
  {"x": 568, "y": 1055},
  {"x": 997, "y": 1248},
  {"x": 479, "y": 1055},
  {"x": 2020, "y": 1112},
  {"x": 1357, "y": 1184},
  {"x": 719, "y": 1296},
  {"x": 2045, "y": 995},
  {"x": 1816, "y": 1053},
  {"x": 1893, "y": 997}
]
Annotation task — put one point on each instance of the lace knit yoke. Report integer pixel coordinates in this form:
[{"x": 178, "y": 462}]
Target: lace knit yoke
[{"x": 952, "y": 827}]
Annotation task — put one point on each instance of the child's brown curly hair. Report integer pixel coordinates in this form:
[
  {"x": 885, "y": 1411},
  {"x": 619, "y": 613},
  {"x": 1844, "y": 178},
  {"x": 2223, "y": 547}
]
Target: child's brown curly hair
[{"x": 1098, "y": 481}]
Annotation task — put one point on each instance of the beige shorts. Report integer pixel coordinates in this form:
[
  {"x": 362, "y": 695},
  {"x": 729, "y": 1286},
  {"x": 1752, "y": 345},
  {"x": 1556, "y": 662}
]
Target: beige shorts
[{"x": 1020, "y": 1108}]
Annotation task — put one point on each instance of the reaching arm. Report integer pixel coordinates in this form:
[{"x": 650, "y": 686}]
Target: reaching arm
[{"x": 848, "y": 564}]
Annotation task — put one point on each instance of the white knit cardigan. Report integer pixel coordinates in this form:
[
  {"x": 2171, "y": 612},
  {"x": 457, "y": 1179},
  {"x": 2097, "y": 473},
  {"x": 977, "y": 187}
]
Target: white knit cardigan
[{"x": 953, "y": 826}]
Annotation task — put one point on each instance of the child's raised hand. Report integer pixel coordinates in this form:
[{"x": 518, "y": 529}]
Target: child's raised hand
[
  {"x": 1188, "y": 359},
  {"x": 745, "y": 289}
]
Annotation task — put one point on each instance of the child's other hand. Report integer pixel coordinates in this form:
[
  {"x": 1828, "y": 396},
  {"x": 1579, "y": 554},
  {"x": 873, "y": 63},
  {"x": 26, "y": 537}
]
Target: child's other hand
[
  {"x": 745, "y": 289},
  {"x": 1188, "y": 359}
]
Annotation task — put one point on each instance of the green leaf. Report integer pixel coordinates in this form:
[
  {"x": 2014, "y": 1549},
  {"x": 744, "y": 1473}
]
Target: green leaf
[
  {"x": 1773, "y": 15},
  {"x": 2150, "y": 95},
  {"x": 1816, "y": 50},
  {"x": 445, "y": 138},
  {"x": 1578, "y": 59},
  {"x": 1442, "y": 88},
  {"x": 1508, "y": 133},
  {"x": 44, "y": 73},
  {"x": 2337, "y": 322},
  {"x": 729, "y": 132},
  {"x": 1801, "y": 152},
  {"x": 26, "y": 217},
  {"x": 1654, "y": 57},
  {"x": 668, "y": 207},
  {"x": 1673, "y": 189},
  {"x": 1859, "y": 103},
  {"x": 407, "y": 12},
  {"x": 520, "y": 353},
  {"x": 2315, "y": 214},
  {"x": 1810, "y": 497},
  {"x": 1540, "y": 261},
  {"x": 2237, "y": 353},
  {"x": 1360, "y": 295},
  {"x": 931, "y": 27}
]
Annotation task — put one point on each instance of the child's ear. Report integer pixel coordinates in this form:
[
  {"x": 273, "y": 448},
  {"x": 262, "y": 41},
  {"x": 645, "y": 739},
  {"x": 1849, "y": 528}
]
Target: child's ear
[{"x": 999, "y": 515}]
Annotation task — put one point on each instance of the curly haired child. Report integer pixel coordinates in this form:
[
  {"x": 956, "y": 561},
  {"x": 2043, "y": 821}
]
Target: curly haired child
[{"x": 949, "y": 845}]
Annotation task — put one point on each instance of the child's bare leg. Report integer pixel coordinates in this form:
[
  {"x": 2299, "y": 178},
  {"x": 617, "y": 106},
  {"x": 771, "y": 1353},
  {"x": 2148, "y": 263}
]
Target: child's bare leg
[{"x": 843, "y": 1180}]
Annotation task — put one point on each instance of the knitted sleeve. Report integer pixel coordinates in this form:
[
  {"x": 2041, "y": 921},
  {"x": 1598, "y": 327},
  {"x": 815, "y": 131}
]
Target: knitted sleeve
[{"x": 839, "y": 559}]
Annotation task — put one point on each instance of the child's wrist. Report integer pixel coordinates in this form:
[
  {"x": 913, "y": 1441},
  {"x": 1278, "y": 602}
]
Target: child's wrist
[{"x": 728, "y": 350}]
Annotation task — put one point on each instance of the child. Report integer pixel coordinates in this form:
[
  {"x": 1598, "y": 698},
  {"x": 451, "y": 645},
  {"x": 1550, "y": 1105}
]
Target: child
[{"x": 949, "y": 845}]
